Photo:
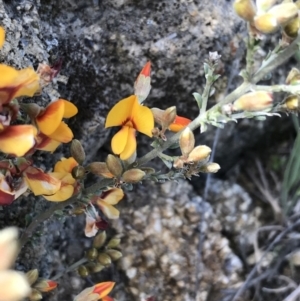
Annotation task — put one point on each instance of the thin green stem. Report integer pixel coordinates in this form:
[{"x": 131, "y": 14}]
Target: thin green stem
[
  {"x": 277, "y": 88},
  {"x": 70, "y": 268}
]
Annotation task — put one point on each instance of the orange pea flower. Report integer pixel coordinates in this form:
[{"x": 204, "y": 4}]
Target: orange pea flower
[
  {"x": 2, "y": 36},
  {"x": 17, "y": 139},
  {"x": 96, "y": 292},
  {"x": 106, "y": 201},
  {"x": 53, "y": 130},
  {"x": 56, "y": 186},
  {"x": 133, "y": 117},
  {"x": 45, "y": 285},
  {"x": 15, "y": 83},
  {"x": 179, "y": 123}
]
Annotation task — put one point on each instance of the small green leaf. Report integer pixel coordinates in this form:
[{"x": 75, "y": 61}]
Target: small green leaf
[{"x": 198, "y": 98}]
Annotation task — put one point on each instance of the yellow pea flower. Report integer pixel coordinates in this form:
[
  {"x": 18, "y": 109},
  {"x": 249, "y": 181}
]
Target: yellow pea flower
[
  {"x": 17, "y": 139},
  {"x": 2, "y": 36},
  {"x": 56, "y": 186},
  {"x": 15, "y": 83},
  {"x": 132, "y": 116},
  {"x": 53, "y": 130},
  {"x": 62, "y": 171}
]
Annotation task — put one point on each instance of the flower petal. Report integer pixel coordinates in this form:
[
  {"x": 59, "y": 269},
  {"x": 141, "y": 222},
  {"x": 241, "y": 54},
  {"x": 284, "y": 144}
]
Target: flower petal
[
  {"x": 119, "y": 140},
  {"x": 143, "y": 119},
  {"x": 17, "y": 139},
  {"x": 62, "y": 134},
  {"x": 91, "y": 228},
  {"x": 64, "y": 177},
  {"x": 51, "y": 118},
  {"x": 70, "y": 109},
  {"x": 108, "y": 210},
  {"x": 13, "y": 286},
  {"x": 130, "y": 146},
  {"x": 41, "y": 183},
  {"x": 8, "y": 247},
  {"x": 64, "y": 193},
  {"x": 46, "y": 144},
  {"x": 2, "y": 36},
  {"x": 112, "y": 196},
  {"x": 179, "y": 123},
  {"x": 27, "y": 83},
  {"x": 103, "y": 288},
  {"x": 65, "y": 165},
  {"x": 7, "y": 196},
  {"x": 120, "y": 112}
]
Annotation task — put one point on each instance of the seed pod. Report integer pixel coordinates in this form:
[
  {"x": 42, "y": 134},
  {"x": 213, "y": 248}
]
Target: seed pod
[
  {"x": 77, "y": 151},
  {"x": 83, "y": 271},
  {"x": 199, "y": 153},
  {"x": 114, "y": 254},
  {"x": 35, "y": 295},
  {"x": 78, "y": 172},
  {"x": 114, "y": 165},
  {"x": 91, "y": 254},
  {"x": 254, "y": 101},
  {"x": 245, "y": 9},
  {"x": 99, "y": 240},
  {"x": 266, "y": 23},
  {"x": 291, "y": 29},
  {"x": 284, "y": 12},
  {"x": 31, "y": 109},
  {"x": 133, "y": 175},
  {"x": 113, "y": 243},
  {"x": 104, "y": 259},
  {"x": 293, "y": 77},
  {"x": 178, "y": 163},
  {"x": 264, "y": 5},
  {"x": 291, "y": 103},
  {"x": 32, "y": 276},
  {"x": 211, "y": 167},
  {"x": 169, "y": 117},
  {"x": 97, "y": 267},
  {"x": 186, "y": 141},
  {"x": 99, "y": 169}
]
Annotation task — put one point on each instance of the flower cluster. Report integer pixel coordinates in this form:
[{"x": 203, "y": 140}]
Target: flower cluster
[{"x": 266, "y": 17}]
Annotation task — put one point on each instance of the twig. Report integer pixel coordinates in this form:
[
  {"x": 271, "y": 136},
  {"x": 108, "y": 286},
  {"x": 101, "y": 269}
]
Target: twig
[
  {"x": 293, "y": 295},
  {"x": 255, "y": 242},
  {"x": 245, "y": 285},
  {"x": 70, "y": 268},
  {"x": 290, "y": 284}
]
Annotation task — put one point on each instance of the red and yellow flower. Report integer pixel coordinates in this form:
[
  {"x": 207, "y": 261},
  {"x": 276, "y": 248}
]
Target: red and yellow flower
[
  {"x": 56, "y": 186},
  {"x": 96, "y": 292},
  {"x": 132, "y": 116},
  {"x": 15, "y": 83},
  {"x": 106, "y": 201},
  {"x": 17, "y": 139},
  {"x": 54, "y": 131}
]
